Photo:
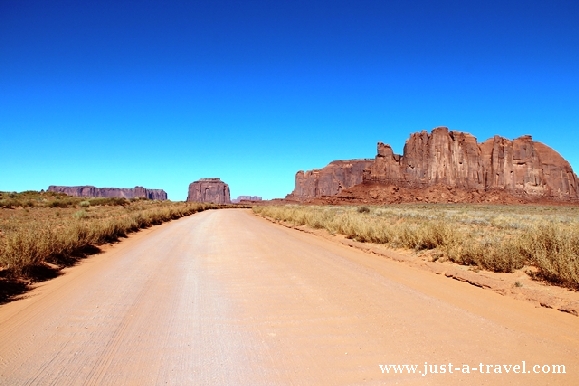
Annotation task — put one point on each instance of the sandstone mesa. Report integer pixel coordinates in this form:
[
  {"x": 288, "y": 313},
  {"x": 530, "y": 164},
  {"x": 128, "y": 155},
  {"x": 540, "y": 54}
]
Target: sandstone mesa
[
  {"x": 246, "y": 199},
  {"x": 446, "y": 166},
  {"x": 209, "y": 190},
  {"x": 91, "y": 191}
]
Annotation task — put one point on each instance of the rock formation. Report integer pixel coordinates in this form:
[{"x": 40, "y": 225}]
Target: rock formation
[
  {"x": 330, "y": 180},
  {"x": 209, "y": 190},
  {"x": 246, "y": 199},
  {"x": 91, "y": 191},
  {"x": 452, "y": 159},
  {"x": 442, "y": 157}
]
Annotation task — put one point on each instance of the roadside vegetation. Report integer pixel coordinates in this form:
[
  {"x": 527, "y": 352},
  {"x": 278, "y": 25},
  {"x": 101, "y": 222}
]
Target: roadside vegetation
[
  {"x": 40, "y": 228},
  {"x": 494, "y": 238}
]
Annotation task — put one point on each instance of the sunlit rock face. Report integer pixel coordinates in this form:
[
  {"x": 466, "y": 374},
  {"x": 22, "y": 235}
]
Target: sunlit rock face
[
  {"x": 209, "y": 190},
  {"x": 330, "y": 180},
  {"x": 91, "y": 191},
  {"x": 521, "y": 167}
]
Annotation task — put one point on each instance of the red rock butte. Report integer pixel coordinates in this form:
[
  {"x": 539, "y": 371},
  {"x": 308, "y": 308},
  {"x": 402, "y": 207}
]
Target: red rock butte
[
  {"x": 209, "y": 190},
  {"x": 443, "y": 159},
  {"x": 246, "y": 199},
  {"x": 91, "y": 191}
]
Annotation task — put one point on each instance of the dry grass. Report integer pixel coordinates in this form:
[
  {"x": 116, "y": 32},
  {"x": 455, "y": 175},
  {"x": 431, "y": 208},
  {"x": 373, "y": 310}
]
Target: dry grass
[
  {"x": 495, "y": 238},
  {"x": 40, "y": 228}
]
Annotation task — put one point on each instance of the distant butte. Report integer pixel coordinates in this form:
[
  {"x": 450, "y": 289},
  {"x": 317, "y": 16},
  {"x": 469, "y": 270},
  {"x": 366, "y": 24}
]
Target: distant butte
[
  {"x": 91, "y": 191},
  {"x": 445, "y": 166},
  {"x": 240, "y": 199},
  {"x": 209, "y": 190}
]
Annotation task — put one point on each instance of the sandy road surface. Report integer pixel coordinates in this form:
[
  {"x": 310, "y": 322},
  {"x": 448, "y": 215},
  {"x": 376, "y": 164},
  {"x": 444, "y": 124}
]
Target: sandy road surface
[{"x": 227, "y": 298}]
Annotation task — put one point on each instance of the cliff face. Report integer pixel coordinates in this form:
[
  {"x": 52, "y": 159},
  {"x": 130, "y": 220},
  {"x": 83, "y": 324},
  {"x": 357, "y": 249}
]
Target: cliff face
[
  {"x": 330, "y": 180},
  {"x": 246, "y": 198},
  {"x": 209, "y": 190},
  {"x": 91, "y": 191},
  {"x": 442, "y": 157},
  {"x": 525, "y": 166},
  {"x": 454, "y": 159}
]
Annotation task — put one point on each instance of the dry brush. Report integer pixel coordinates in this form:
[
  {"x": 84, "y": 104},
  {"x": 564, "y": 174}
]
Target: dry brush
[
  {"x": 495, "y": 238},
  {"x": 46, "y": 229}
]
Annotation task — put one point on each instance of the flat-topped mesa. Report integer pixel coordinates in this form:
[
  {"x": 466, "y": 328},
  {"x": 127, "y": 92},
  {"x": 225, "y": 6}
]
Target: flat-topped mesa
[
  {"x": 521, "y": 167},
  {"x": 209, "y": 190},
  {"x": 91, "y": 191},
  {"x": 330, "y": 180},
  {"x": 246, "y": 199}
]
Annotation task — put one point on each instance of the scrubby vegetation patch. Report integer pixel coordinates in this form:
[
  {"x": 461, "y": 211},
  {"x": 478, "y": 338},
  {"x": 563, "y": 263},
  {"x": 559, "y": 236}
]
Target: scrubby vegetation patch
[{"x": 494, "y": 238}]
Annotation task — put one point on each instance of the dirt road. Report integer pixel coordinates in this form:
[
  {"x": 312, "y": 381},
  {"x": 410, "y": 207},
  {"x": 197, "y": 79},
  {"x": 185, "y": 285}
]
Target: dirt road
[{"x": 227, "y": 298}]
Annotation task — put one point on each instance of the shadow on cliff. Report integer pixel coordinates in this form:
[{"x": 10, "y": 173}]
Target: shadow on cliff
[{"x": 14, "y": 286}]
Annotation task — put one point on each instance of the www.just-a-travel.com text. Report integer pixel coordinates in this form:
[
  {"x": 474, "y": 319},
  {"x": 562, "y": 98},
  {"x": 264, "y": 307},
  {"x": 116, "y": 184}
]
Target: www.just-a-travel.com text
[{"x": 481, "y": 368}]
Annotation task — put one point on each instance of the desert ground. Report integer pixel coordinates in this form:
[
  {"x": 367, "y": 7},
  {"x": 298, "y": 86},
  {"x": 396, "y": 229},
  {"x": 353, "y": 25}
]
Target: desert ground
[{"x": 225, "y": 297}]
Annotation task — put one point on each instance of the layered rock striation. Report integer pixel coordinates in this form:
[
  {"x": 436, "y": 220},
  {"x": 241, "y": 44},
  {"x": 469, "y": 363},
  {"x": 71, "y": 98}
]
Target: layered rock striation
[
  {"x": 330, "y": 180},
  {"x": 209, "y": 190},
  {"x": 91, "y": 191},
  {"x": 521, "y": 167},
  {"x": 246, "y": 199}
]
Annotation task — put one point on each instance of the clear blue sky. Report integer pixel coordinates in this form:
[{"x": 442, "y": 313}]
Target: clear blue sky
[{"x": 159, "y": 94}]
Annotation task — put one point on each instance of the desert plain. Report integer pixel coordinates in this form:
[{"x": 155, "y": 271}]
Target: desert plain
[
  {"x": 431, "y": 273},
  {"x": 237, "y": 296}
]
